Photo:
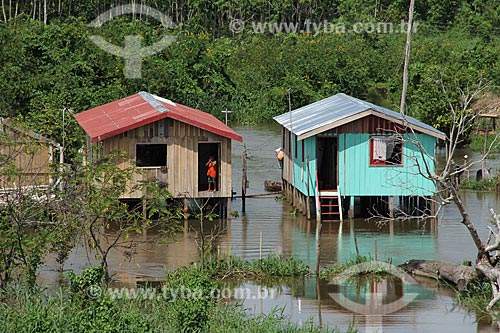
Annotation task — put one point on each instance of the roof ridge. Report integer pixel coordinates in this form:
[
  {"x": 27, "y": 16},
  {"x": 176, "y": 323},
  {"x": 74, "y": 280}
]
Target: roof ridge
[
  {"x": 359, "y": 101},
  {"x": 336, "y": 108},
  {"x": 157, "y": 105}
]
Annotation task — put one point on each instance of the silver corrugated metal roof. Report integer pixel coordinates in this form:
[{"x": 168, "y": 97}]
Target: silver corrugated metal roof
[{"x": 337, "y": 108}]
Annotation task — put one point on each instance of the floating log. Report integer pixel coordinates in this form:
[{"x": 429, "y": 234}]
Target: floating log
[
  {"x": 257, "y": 195},
  {"x": 459, "y": 275},
  {"x": 272, "y": 186}
]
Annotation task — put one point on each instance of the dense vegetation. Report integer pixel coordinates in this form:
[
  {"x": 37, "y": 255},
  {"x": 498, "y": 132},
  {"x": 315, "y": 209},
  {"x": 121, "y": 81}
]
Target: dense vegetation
[
  {"x": 169, "y": 310},
  {"x": 48, "y": 62}
]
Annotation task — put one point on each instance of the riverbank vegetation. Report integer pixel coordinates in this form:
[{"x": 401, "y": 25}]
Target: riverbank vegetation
[
  {"x": 476, "y": 296},
  {"x": 48, "y": 61},
  {"x": 478, "y": 143},
  {"x": 83, "y": 208},
  {"x": 186, "y": 302},
  {"x": 22, "y": 311},
  {"x": 492, "y": 184},
  {"x": 337, "y": 268},
  {"x": 270, "y": 266}
]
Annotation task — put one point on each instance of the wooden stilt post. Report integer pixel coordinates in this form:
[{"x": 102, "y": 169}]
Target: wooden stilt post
[
  {"x": 351, "y": 207},
  {"x": 391, "y": 207},
  {"x": 243, "y": 178},
  {"x": 318, "y": 300},
  {"x": 308, "y": 207},
  {"x": 260, "y": 245},
  {"x": 144, "y": 209},
  {"x": 318, "y": 246},
  {"x": 145, "y": 218},
  {"x": 318, "y": 256},
  {"x": 186, "y": 208}
]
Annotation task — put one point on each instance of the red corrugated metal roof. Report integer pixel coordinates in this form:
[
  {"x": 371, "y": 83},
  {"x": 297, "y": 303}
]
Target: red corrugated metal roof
[{"x": 110, "y": 119}]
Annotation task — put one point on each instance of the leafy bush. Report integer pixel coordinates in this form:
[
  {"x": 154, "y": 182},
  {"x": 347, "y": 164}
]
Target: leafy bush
[
  {"x": 192, "y": 298},
  {"x": 477, "y": 142},
  {"x": 338, "y": 268},
  {"x": 279, "y": 266},
  {"x": 481, "y": 185},
  {"x": 271, "y": 266},
  {"x": 87, "y": 282},
  {"x": 476, "y": 296}
]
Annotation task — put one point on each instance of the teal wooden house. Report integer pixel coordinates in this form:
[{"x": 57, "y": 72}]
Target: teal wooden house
[{"x": 342, "y": 153}]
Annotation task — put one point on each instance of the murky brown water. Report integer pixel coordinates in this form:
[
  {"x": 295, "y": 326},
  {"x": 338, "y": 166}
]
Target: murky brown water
[{"x": 433, "y": 310}]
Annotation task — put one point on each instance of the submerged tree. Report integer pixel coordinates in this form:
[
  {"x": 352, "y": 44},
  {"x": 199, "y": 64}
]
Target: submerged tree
[
  {"x": 27, "y": 228},
  {"x": 92, "y": 198},
  {"x": 82, "y": 205},
  {"x": 447, "y": 181}
]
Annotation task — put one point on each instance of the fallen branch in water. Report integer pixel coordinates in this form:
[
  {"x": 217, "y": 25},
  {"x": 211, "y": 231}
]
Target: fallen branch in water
[{"x": 460, "y": 275}]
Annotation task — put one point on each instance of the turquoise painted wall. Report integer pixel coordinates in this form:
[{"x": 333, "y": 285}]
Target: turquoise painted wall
[
  {"x": 358, "y": 178},
  {"x": 304, "y": 172}
]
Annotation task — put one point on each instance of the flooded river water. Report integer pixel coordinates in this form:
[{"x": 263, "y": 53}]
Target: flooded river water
[{"x": 307, "y": 299}]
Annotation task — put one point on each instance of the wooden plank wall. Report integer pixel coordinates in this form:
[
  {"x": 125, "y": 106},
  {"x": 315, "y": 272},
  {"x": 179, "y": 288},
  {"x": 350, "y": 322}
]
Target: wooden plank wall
[
  {"x": 359, "y": 178},
  {"x": 370, "y": 124},
  {"x": 182, "y": 157},
  {"x": 356, "y": 177},
  {"x": 288, "y": 160},
  {"x": 30, "y": 156}
]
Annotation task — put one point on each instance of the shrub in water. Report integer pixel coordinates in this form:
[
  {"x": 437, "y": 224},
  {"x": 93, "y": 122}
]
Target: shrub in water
[
  {"x": 191, "y": 298},
  {"x": 88, "y": 283}
]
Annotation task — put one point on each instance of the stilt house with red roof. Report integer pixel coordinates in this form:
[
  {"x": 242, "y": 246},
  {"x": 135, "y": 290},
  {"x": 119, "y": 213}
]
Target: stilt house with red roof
[{"x": 167, "y": 141}]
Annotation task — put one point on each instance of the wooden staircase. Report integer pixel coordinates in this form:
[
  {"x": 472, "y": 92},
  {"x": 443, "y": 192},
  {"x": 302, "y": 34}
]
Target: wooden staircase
[{"x": 330, "y": 205}]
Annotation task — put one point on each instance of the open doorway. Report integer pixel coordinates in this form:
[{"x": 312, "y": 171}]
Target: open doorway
[
  {"x": 205, "y": 150},
  {"x": 326, "y": 159}
]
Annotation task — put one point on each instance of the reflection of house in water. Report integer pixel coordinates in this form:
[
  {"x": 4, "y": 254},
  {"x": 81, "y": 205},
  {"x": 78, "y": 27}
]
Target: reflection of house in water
[
  {"x": 345, "y": 152},
  {"x": 366, "y": 291},
  {"x": 169, "y": 142},
  {"x": 383, "y": 242}
]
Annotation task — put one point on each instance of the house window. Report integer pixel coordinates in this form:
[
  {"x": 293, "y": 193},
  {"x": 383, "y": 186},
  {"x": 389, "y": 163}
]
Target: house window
[
  {"x": 386, "y": 150},
  {"x": 151, "y": 155}
]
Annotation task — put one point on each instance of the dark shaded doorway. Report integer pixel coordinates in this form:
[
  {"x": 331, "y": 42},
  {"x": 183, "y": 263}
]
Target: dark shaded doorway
[
  {"x": 205, "y": 150},
  {"x": 326, "y": 158}
]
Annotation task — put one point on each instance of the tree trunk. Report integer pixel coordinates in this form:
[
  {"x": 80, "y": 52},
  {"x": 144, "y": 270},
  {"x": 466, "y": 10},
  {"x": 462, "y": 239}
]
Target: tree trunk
[
  {"x": 4, "y": 12},
  {"x": 45, "y": 13},
  {"x": 465, "y": 218},
  {"x": 459, "y": 275}
]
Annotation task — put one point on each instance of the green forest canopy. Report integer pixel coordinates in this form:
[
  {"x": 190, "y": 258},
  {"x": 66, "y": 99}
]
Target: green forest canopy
[{"x": 49, "y": 63}]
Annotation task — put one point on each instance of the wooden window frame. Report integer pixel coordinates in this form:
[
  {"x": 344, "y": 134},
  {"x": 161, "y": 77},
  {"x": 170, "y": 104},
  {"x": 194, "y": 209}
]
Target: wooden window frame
[
  {"x": 139, "y": 146},
  {"x": 387, "y": 163}
]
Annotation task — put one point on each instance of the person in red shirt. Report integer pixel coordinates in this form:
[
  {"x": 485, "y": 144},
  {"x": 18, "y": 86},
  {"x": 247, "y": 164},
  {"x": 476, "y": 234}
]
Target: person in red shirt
[{"x": 211, "y": 173}]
